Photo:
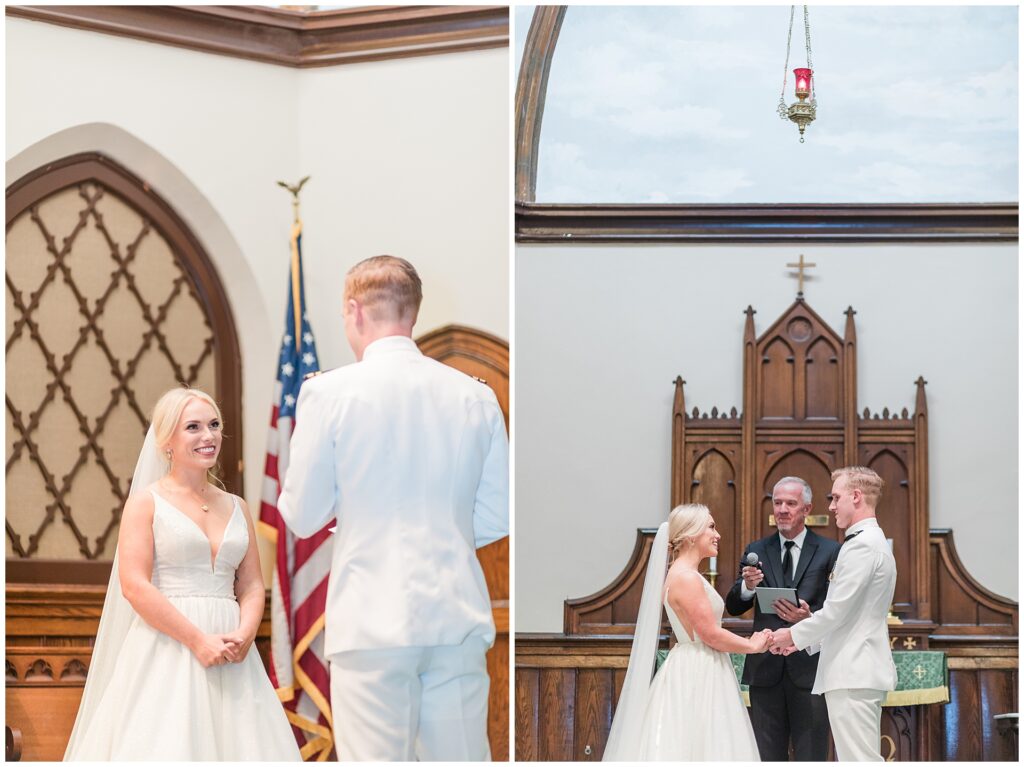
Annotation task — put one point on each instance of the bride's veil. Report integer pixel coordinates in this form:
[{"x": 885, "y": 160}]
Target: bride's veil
[
  {"x": 624, "y": 737},
  {"x": 117, "y": 612}
]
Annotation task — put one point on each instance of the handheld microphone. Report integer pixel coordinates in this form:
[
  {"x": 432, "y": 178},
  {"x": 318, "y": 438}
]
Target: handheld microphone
[{"x": 752, "y": 561}]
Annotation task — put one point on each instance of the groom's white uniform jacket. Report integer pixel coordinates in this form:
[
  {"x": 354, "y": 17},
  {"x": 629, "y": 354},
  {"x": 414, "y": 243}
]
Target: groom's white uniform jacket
[
  {"x": 411, "y": 457},
  {"x": 851, "y": 626}
]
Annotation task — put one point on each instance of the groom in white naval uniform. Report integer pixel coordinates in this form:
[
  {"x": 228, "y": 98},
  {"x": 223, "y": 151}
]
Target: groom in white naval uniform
[
  {"x": 411, "y": 457},
  {"x": 855, "y": 670}
]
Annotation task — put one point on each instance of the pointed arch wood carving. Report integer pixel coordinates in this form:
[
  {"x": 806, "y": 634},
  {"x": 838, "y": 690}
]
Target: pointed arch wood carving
[{"x": 106, "y": 193}]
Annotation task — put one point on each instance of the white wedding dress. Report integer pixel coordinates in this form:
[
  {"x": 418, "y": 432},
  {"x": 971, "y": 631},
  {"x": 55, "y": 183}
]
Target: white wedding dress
[
  {"x": 694, "y": 710},
  {"x": 160, "y": 703}
]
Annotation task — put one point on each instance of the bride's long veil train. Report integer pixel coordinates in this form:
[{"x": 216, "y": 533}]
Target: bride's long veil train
[
  {"x": 624, "y": 737},
  {"x": 117, "y": 614}
]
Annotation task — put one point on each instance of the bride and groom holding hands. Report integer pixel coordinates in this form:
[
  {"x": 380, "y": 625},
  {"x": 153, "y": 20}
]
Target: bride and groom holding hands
[
  {"x": 834, "y": 644},
  {"x": 410, "y": 457}
]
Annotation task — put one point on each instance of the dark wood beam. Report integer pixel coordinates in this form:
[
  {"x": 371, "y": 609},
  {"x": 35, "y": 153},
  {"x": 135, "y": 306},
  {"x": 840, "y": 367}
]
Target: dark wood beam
[
  {"x": 291, "y": 38},
  {"x": 917, "y": 222}
]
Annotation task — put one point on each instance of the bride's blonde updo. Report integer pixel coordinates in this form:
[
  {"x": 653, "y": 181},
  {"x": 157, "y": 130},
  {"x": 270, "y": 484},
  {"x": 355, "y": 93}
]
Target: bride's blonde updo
[
  {"x": 685, "y": 523},
  {"x": 167, "y": 413}
]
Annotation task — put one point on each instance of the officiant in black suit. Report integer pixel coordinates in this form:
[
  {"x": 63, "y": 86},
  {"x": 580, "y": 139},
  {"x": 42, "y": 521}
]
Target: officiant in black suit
[{"x": 782, "y": 708}]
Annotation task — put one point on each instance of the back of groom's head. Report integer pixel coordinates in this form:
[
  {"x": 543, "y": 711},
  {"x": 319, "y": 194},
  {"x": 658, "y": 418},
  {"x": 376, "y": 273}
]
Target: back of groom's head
[{"x": 388, "y": 288}]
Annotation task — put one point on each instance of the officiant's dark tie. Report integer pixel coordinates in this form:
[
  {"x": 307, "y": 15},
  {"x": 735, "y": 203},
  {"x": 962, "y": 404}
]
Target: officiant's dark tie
[{"x": 787, "y": 565}]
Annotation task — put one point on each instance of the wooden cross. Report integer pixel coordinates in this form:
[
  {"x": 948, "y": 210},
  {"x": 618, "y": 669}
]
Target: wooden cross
[{"x": 801, "y": 265}]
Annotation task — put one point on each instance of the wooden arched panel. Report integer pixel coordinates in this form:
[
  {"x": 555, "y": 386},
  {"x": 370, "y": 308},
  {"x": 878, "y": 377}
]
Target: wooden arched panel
[
  {"x": 485, "y": 357},
  {"x": 777, "y": 378},
  {"x": 714, "y": 485},
  {"x": 812, "y": 387},
  {"x": 111, "y": 300},
  {"x": 962, "y": 606},
  {"x": 815, "y": 467},
  {"x": 613, "y": 609},
  {"x": 896, "y": 520},
  {"x": 824, "y": 383}
]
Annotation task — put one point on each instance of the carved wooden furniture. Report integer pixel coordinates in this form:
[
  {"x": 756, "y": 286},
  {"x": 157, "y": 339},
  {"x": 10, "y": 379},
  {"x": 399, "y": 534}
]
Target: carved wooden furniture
[
  {"x": 485, "y": 357},
  {"x": 799, "y": 418}
]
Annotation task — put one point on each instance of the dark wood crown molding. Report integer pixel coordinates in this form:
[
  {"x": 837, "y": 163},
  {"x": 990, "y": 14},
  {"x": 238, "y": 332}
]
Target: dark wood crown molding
[
  {"x": 292, "y": 38},
  {"x": 767, "y": 223}
]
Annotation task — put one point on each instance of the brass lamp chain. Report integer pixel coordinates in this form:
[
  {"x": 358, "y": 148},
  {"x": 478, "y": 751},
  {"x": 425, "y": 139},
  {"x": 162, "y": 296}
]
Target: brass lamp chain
[
  {"x": 810, "y": 62},
  {"x": 783, "y": 110}
]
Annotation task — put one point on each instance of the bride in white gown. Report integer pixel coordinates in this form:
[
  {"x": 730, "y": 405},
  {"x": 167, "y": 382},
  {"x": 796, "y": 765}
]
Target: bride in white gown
[
  {"x": 692, "y": 709},
  {"x": 172, "y": 677}
]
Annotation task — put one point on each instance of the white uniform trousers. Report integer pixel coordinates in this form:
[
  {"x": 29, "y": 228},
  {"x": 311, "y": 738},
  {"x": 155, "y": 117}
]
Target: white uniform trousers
[
  {"x": 411, "y": 703},
  {"x": 856, "y": 720}
]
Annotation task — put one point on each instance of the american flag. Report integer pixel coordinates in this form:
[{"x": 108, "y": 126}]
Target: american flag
[{"x": 298, "y": 669}]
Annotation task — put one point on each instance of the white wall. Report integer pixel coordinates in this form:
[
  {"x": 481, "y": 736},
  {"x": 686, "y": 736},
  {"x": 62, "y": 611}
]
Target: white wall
[
  {"x": 602, "y": 331},
  {"x": 408, "y": 157}
]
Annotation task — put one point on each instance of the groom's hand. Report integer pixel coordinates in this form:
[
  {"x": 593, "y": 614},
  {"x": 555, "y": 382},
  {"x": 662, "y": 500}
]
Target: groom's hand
[
  {"x": 789, "y": 612},
  {"x": 782, "y": 642}
]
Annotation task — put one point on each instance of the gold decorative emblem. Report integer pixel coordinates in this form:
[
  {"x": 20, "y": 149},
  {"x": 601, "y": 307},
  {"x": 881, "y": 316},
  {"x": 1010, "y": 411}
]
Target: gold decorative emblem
[
  {"x": 891, "y": 756},
  {"x": 909, "y": 643},
  {"x": 892, "y": 642},
  {"x": 919, "y": 672},
  {"x": 812, "y": 520}
]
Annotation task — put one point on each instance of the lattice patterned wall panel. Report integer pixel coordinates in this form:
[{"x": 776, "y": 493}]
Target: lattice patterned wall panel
[{"x": 102, "y": 317}]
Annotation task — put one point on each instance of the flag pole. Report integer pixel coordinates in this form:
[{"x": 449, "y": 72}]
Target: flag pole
[{"x": 295, "y": 234}]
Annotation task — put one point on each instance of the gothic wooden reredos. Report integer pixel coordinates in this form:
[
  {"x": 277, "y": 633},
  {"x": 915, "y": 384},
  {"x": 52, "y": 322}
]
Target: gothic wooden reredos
[
  {"x": 800, "y": 418},
  {"x": 110, "y": 301}
]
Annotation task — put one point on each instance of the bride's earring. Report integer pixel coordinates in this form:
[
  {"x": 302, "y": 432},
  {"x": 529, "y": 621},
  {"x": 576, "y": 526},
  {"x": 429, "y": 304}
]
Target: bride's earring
[{"x": 169, "y": 455}]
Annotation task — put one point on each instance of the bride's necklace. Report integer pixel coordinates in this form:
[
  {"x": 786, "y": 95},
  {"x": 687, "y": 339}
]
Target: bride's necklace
[{"x": 201, "y": 502}]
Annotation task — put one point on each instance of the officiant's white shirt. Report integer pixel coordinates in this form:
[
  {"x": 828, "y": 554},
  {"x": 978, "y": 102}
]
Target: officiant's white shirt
[
  {"x": 851, "y": 626},
  {"x": 795, "y": 552},
  {"x": 411, "y": 457}
]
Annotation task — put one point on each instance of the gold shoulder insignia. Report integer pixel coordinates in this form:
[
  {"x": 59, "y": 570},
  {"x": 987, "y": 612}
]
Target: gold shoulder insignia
[
  {"x": 314, "y": 374},
  {"x": 479, "y": 379}
]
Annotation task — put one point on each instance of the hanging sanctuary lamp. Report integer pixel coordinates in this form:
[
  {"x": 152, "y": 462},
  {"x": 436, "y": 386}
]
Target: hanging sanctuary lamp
[{"x": 805, "y": 108}]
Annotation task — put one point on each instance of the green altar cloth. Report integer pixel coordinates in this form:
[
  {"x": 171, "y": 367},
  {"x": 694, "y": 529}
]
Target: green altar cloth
[{"x": 921, "y": 677}]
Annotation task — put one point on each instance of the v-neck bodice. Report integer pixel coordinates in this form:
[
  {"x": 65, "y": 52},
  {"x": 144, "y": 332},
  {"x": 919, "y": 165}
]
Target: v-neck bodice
[{"x": 184, "y": 563}]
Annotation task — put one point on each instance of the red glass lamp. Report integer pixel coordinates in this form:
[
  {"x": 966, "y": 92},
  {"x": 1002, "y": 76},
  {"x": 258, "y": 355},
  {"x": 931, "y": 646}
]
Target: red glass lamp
[{"x": 803, "y": 82}]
